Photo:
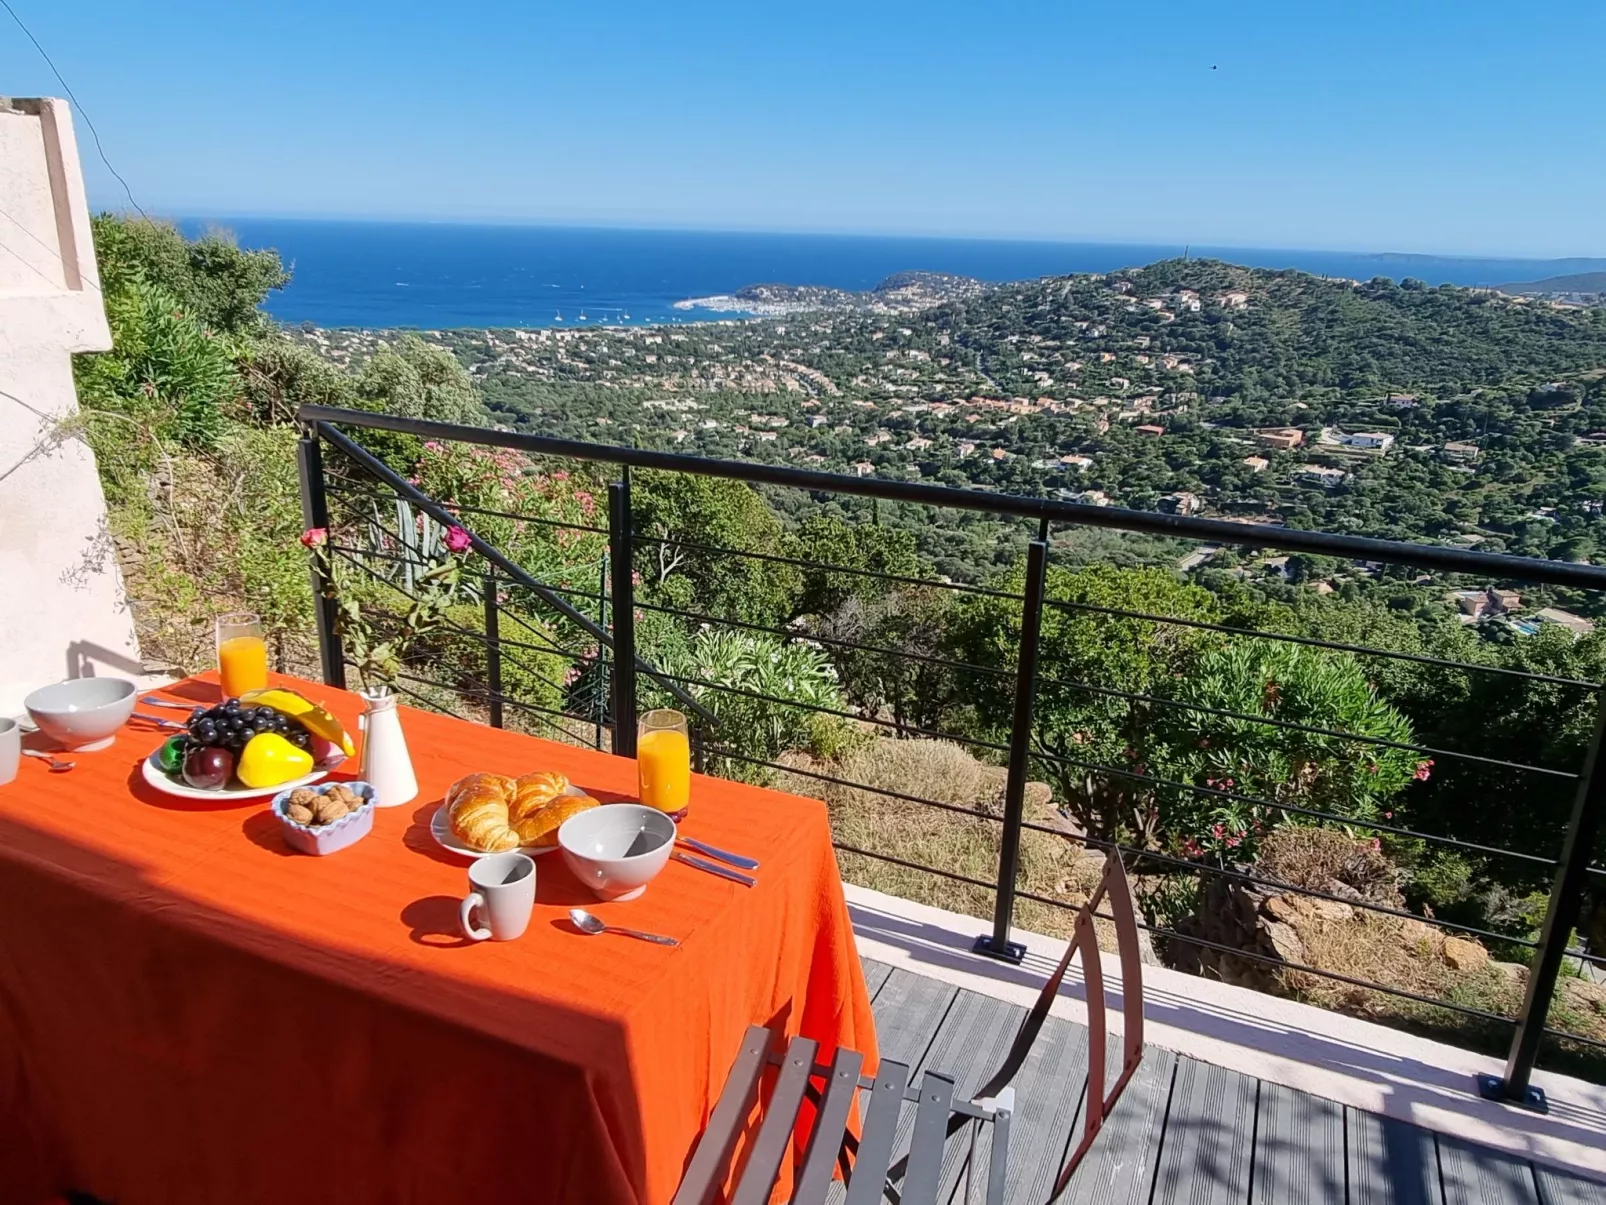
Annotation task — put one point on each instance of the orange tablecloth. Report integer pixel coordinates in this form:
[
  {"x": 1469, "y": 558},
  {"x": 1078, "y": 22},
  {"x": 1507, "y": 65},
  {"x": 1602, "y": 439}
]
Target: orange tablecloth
[{"x": 190, "y": 1012}]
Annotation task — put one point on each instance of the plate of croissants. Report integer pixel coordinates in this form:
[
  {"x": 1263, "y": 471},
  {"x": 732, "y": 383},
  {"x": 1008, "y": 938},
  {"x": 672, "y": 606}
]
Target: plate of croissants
[{"x": 492, "y": 813}]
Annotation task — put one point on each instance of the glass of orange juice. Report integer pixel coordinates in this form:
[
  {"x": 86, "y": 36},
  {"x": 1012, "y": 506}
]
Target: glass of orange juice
[
  {"x": 663, "y": 762},
  {"x": 242, "y": 654}
]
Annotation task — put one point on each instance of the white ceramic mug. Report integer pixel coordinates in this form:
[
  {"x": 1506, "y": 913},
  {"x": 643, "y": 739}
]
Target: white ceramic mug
[
  {"x": 10, "y": 749},
  {"x": 502, "y": 887}
]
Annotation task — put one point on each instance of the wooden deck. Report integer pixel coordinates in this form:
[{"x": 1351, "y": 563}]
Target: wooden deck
[{"x": 1186, "y": 1131}]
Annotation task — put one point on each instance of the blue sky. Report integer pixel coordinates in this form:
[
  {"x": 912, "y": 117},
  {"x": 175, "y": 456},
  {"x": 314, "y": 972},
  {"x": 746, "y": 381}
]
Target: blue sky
[{"x": 1466, "y": 127}]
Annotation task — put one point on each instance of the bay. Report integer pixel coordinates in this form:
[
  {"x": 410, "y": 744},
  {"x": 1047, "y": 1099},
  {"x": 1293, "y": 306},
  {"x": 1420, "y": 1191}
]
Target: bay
[{"x": 443, "y": 275}]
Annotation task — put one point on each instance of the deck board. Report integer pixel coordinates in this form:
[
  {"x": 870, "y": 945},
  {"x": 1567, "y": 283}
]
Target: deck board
[
  {"x": 1208, "y": 1146},
  {"x": 875, "y": 974},
  {"x": 1119, "y": 1168},
  {"x": 1476, "y": 1175},
  {"x": 1563, "y": 1188},
  {"x": 969, "y": 1046},
  {"x": 1299, "y": 1149},
  {"x": 1184, "y": 1131},
  {"x": 1048, "y": 1099},
  {"x": 1391, "y": 1162}
]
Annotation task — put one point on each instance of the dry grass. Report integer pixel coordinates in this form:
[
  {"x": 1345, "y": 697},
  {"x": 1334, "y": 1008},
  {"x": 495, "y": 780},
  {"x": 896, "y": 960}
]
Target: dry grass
[
  {"x": 968, "y": 845},
  {"x": 1409, "y": 956},
  {"x": 1315, "y": 858}
]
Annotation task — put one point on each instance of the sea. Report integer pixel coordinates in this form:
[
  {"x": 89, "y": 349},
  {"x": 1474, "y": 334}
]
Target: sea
[{"x": 442, "y": 275}]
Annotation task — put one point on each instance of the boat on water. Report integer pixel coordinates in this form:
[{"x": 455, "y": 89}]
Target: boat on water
[
  {"x": 582, "y": 315},
  {"x": 559, "y": 318}
]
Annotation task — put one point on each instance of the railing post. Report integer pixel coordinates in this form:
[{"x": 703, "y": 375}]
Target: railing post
[
  {"x": 493, "y": 651},
  {"x": 315, "y": 514},
  {"x": 624, "y": 618},
  {"x": 1561, "y": 914},
  {"x": 997, "y": 944}
]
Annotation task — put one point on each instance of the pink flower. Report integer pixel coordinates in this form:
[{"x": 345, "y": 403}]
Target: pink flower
[
  {"x": 1234, "y": 842},
  {"x": 1423, "y": 770},
  {"x": 1218, "y": 831},
  {"x": 315, "y": 537},
  {"x": 457, "y": 539},
  {"x": 635, "y": 577},
  {"x": 1375, "y": 845},
  {"x": 560, "y": 475},
  {"x": 432, "y": 445}
]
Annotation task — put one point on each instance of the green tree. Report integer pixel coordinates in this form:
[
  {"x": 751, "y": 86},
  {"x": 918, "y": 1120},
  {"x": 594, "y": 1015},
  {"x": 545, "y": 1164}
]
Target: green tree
[
  {"x": 1089, "y": 663},
  {"x": 725, "y": 518},
  {"x": 827, "y": 543},
  {"x": 211, "y": 278},
  {"x": 1294, "y": 685},
  {"x": 416, "y": 379},
  {"x": 909, "y": 684}
]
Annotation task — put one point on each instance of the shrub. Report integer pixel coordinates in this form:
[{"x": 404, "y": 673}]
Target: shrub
[{"x": 758, "y": 714}]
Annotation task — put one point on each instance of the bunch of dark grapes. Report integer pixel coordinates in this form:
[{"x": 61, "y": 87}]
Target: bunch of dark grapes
[{"x": 230, "y": 726}]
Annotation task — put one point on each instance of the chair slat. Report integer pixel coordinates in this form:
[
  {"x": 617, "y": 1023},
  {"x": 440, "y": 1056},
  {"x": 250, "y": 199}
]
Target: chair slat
[
  {"x": 713, "y": 1153},
  {"x": 830, "y": 1121},
  {"x": 758, "y": 1178},
  {"x": 880, "y": 1128},
  {"x": 931, "y": 1132}
]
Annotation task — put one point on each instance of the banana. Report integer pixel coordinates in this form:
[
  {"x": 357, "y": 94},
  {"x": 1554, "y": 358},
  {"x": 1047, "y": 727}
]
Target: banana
[{"x": 312, "y": 717}]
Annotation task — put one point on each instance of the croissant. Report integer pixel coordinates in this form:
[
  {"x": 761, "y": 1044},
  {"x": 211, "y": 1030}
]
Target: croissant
[
  {"x": 476, "y": 810},
  {"x": 495, "y": 813},
  {"x": 541, "y": 829}
]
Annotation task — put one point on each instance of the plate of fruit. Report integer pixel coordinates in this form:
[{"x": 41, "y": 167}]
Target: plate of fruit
[{"x": 262, "y": 743}]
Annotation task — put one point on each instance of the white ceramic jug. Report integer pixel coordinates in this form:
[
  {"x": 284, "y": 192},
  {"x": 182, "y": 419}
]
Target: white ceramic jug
[{"x": 386, "y": 764}]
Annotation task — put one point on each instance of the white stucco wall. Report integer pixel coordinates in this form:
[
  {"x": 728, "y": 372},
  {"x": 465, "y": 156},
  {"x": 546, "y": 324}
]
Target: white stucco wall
[{"x": 62, "y": 610}]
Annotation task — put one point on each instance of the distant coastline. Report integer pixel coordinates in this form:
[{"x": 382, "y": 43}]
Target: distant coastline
[{"x": 383, "y": 275}]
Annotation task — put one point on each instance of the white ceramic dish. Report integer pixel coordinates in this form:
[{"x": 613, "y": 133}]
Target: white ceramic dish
[
  {"x": 618, "y": 849},
  {"x": 157, "y": 778},
  {"x": 441, "y": 829},
  {"x": 323, "y": 839},
  {"x": 82, "y": 714}
]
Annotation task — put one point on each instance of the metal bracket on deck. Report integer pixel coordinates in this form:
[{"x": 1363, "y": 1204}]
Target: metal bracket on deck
[
  {"x": 1013, "y": 952},
  {"x": 1492, "y": 1087}
]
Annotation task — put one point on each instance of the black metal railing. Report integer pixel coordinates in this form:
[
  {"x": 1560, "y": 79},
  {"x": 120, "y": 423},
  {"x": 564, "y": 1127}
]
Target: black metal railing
[{"x": 523, "y": 618}]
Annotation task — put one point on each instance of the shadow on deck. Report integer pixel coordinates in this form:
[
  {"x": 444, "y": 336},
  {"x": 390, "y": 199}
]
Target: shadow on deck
[{"x": 1186, "y": 1131}]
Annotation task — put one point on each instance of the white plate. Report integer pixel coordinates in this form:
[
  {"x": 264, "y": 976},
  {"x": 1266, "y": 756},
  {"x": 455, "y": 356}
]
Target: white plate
[
  {"x": 440, "y": 827},
  {"x": 158, "y": 778}
]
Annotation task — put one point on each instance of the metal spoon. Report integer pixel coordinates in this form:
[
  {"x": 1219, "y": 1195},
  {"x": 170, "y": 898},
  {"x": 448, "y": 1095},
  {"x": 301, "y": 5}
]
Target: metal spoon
[
  {"x": 587, "y": 923},
  {"x": 57, "y": 765}
]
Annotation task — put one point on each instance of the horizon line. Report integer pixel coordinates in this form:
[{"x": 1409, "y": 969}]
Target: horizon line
[{"x": 1183, "y": 246}]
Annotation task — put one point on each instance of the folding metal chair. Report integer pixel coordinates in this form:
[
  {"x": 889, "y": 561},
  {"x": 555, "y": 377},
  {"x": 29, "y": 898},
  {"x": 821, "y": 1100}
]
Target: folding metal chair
[{"x": 866, "y": 1160}]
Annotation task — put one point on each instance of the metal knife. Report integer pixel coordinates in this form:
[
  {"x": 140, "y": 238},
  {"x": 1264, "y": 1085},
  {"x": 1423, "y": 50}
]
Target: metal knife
[
  {"x": 722, "y": 855},
  {"x": 734, "y": 876}
]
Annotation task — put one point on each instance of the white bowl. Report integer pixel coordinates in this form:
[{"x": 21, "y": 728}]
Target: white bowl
[
  {"x": 618, "y": 848},
  {"x": 82, "y": 713}
]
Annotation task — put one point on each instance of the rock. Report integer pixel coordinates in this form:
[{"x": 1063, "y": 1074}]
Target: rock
[
  {"x": 1289, "y": 909},
  {"x": 1463, "y": 955},
  {"x": 1330, "y": 910},
  {"x": 1415, "y": 933},
  {"x": 1284, "y": 941},
  {"x": 1343, "y": 891},
  {"x": 1513, "y": 971}
]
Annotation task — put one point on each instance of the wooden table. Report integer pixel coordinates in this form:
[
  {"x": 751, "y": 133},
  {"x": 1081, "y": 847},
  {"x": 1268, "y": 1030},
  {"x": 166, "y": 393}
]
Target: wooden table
[{"x": 191, "y": 1012}]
